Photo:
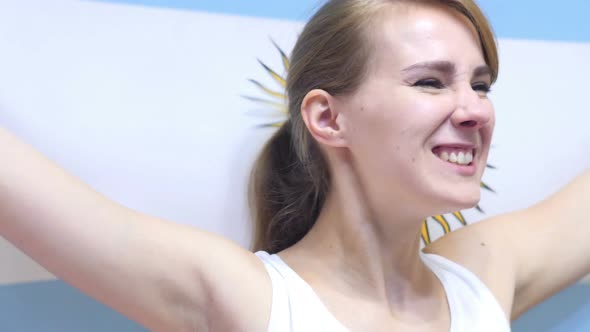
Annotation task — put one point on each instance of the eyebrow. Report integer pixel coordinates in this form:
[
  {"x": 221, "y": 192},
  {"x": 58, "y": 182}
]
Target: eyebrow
[{"x": 447, "y": 68}]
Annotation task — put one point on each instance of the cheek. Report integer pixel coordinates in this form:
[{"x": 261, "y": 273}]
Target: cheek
[
  {"x": 402, "y": 117},
  {"x": 400, "y": 128},
  {"x": 488, "y": 129}
]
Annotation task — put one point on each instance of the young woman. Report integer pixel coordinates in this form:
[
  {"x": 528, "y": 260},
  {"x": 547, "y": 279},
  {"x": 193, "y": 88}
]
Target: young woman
[{"x": 389, "y": 123}]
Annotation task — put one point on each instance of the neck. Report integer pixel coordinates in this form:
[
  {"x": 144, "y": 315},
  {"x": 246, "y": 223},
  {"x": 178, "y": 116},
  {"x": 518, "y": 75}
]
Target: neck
[{"x": 374, "y": 253}]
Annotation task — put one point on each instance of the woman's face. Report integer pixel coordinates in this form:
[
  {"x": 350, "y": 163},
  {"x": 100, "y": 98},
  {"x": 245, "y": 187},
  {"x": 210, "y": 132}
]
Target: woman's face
[{"x": 419, "y": 126}]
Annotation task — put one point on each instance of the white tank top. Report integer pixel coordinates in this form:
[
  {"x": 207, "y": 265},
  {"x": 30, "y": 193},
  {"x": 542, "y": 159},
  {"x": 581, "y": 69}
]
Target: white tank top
[{"x": 297, "y": 308}]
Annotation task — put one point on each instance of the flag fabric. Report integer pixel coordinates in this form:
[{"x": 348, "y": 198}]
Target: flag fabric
[{"x": 160, "y": 105}]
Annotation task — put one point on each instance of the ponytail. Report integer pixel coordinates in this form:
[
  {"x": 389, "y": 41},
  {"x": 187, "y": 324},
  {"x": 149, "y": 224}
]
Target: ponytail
[{"x": 286, "y": 193}]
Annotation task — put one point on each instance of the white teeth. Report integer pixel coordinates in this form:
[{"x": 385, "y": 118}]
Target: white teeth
[
  {"x": 453, "y": 157},
  {"x": 461, "y": 158},
  {"x": 468, "y": 157}
]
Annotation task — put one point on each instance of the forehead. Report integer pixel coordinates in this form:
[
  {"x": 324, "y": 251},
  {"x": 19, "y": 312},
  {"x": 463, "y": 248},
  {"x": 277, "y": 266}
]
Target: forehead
[{"x": 408, "y": 34}]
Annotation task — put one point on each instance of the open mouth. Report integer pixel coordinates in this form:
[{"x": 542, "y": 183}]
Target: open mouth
[{"x": 455, "y": 155}]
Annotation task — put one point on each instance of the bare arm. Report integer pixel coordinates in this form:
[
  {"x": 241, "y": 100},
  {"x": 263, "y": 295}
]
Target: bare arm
[
  {"x": 166, "y": 276},
  {"x": 526, "y": 256},
  {"x": 550, "y": 244}
]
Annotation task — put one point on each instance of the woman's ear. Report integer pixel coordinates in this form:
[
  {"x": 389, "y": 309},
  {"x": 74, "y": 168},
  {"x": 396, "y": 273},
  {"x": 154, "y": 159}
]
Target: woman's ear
[{"x": 322, "y": 118}]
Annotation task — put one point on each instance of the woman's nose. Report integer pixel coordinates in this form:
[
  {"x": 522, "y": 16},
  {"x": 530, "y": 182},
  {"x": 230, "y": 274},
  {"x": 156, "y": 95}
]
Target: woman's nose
[{"x": 472, "y": 111}]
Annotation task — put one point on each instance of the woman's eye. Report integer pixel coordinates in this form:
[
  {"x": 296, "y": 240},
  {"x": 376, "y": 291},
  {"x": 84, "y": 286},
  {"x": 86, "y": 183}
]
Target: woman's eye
[
  {"x": 481, "y": 87},
  {"x": 430, "y": 83}
]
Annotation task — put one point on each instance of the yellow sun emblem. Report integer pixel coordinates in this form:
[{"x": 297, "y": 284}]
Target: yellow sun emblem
[{"x": 279, "y": 104}]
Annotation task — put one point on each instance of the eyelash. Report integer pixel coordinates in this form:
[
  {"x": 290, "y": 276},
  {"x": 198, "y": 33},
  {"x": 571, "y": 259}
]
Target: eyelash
[
  {"x": 430, "y": 83},
  {"x": 436, "y": 84},
  {"x": 483, "y": 87}
]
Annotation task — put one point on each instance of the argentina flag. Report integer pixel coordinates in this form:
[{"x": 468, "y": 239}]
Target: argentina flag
[{"x": 163, "y": 106}]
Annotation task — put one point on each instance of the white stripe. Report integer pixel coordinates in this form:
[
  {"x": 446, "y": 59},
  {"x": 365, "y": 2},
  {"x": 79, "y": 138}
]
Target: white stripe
[
  {"x": 17, "y": 267},
  {"x": 143, "y": 104}
]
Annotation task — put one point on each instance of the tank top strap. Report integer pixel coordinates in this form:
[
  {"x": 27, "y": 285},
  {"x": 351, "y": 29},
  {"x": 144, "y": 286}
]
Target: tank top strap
[
  {"x": 280, "y": 308},
  {"x": 472, "y": 305},
  {"x": 295, "y": 305}
]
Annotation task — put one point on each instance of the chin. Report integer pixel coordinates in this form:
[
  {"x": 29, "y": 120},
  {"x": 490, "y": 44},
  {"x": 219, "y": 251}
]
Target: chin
[{"x": 458, "y": 201}]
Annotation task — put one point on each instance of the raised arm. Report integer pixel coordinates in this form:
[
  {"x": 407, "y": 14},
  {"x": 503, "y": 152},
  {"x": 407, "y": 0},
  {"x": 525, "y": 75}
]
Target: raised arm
[
  {"x": 166, "y": 276},
  {"x": 550, "y": 244},
  {"x": 526, "y": 256}
]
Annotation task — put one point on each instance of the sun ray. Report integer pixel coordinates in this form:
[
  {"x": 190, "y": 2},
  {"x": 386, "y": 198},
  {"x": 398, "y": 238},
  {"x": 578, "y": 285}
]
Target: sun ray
[
  {"x": 425, "y": 233},
  {"x": 284, "y": 56},
  {"x": 443, "y": 222},
  {"x": 460, "y": 217},
  {"x": 272, "y": 124},
  {"x": 278, "y": 78},
  {"x": 486, "y": 187},
  {"x": 268, "y": 91},
  {"x": 278, "y": 106}
]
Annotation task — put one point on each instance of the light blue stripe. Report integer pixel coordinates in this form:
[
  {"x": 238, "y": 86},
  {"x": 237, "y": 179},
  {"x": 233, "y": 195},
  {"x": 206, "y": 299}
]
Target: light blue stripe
[
  {"x": 565, "y": 20},
  {"x": 54, "y": 306},
  {"x": 567, "y": 311},
  {"x": 298, "y": 10}
]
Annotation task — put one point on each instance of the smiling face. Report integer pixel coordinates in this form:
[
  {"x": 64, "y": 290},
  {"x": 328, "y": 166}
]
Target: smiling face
[{"x": 420, "y": 124}]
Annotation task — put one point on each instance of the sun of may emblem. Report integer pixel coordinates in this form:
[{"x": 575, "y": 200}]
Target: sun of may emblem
[{"x": 277, "y": 101}]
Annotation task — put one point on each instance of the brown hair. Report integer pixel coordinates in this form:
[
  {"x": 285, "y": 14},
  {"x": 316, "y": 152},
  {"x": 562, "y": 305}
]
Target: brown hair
[{"x": 290, "y": 179}]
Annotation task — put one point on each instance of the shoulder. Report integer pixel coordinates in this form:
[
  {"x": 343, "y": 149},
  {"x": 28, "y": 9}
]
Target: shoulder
[
  {"x": 481, "y": 249},
  {"x": 241, "y": 295}
]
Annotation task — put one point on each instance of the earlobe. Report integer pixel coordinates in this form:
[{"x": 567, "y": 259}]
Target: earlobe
[{"x": 322, "y": 118}]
